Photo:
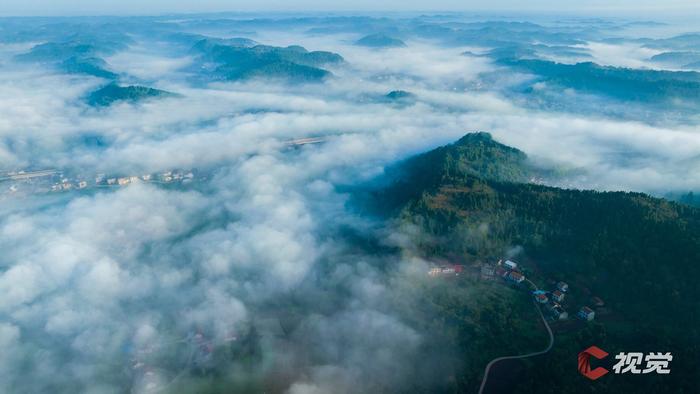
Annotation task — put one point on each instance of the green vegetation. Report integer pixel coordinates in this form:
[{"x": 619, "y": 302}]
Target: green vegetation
[
  {"x": 477, "y": 321},
  {"x": 620, "y": 83},
  {"x": 58, "y": 51},
  {"x": 88, "y": 66},
  {"x": 112, "y": 93},
  {"x": 638, "y": 253},
  {"x": 74, "y": 57},
  {"x": 293, "y": 63}
]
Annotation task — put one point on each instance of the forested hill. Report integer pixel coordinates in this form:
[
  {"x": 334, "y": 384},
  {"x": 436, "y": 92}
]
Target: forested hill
[
  {"x": 474, "y": 156},
  {"x": 639, "y": 253}
]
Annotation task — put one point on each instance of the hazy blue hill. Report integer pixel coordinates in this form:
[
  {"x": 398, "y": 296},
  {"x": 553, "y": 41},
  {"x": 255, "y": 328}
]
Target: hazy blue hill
[
  {"x": 88, "y": 66},
  {"x": 512, "y": 51},
  {"x": 293, "y": 63},
  {"x": 560, "y": 50},
  {"x": 380, "y": 40},
  {"x": 497, "y": 34},
  {"x": 504, "y": 25},
  {"x": 636, "y": 252},
  {"x": 621, "y": 83},
  {"x": 278, "y": 69},
  {"x": 533, "y": 51},
  {"x": 692, "y": 66},
  {"x": 678, "y": 59},
  {"x": 79, "y": 56},
  {"x": 400, "y": 95},
  {"x": 690, "y": 41},
  {"x": 690, "y": 198},
  {"x": 203, "y": 44},
  {"x": 85, "y": 42},
  {"x": 58, "y": 51},
  {"x": 112, "y": 93},
  {"x": 294, "y": 54}
]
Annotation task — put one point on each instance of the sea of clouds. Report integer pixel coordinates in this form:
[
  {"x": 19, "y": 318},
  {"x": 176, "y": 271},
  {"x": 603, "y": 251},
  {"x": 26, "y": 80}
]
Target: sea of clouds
[{"x": 91, "y": 281}]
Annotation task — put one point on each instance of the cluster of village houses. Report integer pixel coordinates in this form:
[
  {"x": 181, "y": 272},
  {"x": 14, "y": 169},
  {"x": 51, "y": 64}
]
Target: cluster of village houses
[
  {"x": 511, "y": 273},
  {"x": 65, "y": 184},
  {"x": 101, "y": 180},
  {"x": 55, "y": 181}
]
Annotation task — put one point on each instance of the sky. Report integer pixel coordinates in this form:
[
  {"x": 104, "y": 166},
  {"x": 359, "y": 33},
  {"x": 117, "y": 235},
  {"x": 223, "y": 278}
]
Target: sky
[{"x": 136, "y": 7}]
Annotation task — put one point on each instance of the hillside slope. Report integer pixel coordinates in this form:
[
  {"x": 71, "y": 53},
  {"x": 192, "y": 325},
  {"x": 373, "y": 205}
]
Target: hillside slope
[{"x": 638, "y": 253}]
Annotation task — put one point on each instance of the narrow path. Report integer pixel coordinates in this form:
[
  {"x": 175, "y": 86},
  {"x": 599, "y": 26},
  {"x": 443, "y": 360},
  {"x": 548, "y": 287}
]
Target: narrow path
[{"x": 495, "y": 360}]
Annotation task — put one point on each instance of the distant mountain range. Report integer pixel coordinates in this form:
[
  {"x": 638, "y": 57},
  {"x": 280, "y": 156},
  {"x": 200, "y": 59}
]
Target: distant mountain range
[
  {"x": 74, "y": 57},
  {"x": 681, "y": 59},
  {"x": 226, "y": 60},
  {"x": 680, "y": 87}
]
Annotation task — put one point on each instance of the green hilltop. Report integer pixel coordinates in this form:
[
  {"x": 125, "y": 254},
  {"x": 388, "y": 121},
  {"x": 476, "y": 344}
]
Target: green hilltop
[
  {"x": 74, "y": 57},
  {"x": 471, "y": 202},
  {"x": 379, "y": 40},
  {"x": 240, "y": 61},
  {"x": 112, "y": 93}
]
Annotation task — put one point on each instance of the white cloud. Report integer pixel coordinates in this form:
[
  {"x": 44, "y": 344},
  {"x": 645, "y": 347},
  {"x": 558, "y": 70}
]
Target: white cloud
[{"x": 94, "y": 280}]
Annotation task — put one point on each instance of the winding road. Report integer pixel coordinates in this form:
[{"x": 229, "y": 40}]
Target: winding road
[{"x": 495, "y": 360}]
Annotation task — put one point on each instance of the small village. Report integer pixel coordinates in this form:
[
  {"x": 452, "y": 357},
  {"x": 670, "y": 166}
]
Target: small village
[
  {"x": 54, "y": 181},
  {"x": 510, "y": 273}
]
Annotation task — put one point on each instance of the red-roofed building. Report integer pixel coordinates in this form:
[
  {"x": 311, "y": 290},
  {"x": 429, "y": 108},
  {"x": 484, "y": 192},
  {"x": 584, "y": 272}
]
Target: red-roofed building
[
  {"x": 557, "y": 296},
  {"x": 516, "y": 277},
  {"x": 501, "y": 272}
]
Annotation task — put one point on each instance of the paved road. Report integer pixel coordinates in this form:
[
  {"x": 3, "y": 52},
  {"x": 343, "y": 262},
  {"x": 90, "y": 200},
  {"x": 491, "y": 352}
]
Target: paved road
[{"x": 496, "y": 360}]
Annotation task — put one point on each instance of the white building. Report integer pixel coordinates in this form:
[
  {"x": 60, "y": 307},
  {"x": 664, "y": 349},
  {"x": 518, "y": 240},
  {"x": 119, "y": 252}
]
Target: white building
[
  {"x": 559, "y": 313},
  {"x": 510, "y": 265}
]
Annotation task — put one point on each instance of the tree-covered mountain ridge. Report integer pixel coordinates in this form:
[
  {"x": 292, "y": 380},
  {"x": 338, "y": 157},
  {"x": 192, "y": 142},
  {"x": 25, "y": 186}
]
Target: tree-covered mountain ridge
[
  {"x": 471, "y": 201},
  {"x": 478, "y": 180}
]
